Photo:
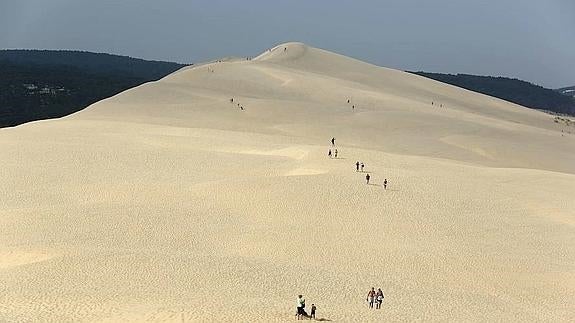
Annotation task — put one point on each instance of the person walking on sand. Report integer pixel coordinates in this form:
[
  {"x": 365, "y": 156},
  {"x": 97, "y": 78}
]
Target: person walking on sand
[
  {"x": 335, "y": 154},
  {"x": 378, "y": 298},
  {"x": 357, "y": 166},
  {"x": 300, "y": 307},
  {"x": 385, "y": 184},
  {"x": 371, "y": 297},
  {"x": 333, "y": 141},
  {"x": 362, "y": 166},
  {"x": 312, "y": 313},
  {"x": 367, "y": 177},
  {"x": 329, "y": 153}
]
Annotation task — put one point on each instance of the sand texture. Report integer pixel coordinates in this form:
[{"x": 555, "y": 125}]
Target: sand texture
[{"x": 170, "y": 203}]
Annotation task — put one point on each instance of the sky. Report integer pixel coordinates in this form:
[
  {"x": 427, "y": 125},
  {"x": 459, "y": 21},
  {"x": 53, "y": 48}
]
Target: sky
[{"x": 533, "y": 40}]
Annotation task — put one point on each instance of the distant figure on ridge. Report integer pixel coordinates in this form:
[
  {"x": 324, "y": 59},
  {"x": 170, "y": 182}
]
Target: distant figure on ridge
[
  {"x": 333, "y": 141},
  {"x": 367, "y": 177},
  {"x": 335, "y": 154},
  {"x": 385, "y": 184},
  {"x": 357, "y": 166},
  {"x": 329, "y": 153}
]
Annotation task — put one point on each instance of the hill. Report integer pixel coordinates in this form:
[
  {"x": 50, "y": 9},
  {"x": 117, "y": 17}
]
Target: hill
[
  {"x": 512, "y": 90},
  {"x": 43, "y": 84},
  {"x": 208, "y": 194}
]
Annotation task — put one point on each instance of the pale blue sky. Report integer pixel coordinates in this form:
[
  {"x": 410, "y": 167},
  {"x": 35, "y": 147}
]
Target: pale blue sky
[{"x": 528, "y": 39}]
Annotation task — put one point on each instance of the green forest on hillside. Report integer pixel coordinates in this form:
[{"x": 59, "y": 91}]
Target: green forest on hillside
[{"x": 36, "y": 85}]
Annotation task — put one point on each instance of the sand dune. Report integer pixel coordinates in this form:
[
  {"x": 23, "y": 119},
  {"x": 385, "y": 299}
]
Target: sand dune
[{"x": 170, "y": 203}]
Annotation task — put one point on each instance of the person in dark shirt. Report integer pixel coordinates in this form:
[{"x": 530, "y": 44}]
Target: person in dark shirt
[{"x": 312, "y": 313}]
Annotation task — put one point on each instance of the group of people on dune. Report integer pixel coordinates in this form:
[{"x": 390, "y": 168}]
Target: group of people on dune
[
  {"x": 239, "y": 106},
  {"x": 375, "y": 298},
  {"x": 358, "y": 165},
  {"x": 301, "y": 313}
]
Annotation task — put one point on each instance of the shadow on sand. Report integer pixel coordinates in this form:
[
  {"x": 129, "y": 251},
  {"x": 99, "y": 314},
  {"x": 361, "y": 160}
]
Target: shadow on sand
[{"x": 322, "y": 319}]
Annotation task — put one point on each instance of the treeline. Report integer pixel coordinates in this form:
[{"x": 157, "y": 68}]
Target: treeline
[
  {"x": 92, "y": 63},
  {"x": 513, "y": 90},
  {"x": 41, "y": 84}
]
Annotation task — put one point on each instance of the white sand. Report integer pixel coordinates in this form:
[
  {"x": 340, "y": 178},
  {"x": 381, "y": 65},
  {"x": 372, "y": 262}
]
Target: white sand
[{"x": 169, "y": 203}]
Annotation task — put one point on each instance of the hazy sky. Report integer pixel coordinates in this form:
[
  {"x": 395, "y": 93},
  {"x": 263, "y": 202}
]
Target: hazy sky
[{"x": 532, "y": 40}]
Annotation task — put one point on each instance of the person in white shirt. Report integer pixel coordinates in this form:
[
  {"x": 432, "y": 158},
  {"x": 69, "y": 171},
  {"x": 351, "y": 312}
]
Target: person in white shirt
[{"x": 300, "y": 307}]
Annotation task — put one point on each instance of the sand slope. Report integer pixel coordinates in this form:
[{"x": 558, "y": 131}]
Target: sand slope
[{"x": 169, "y": 203}]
